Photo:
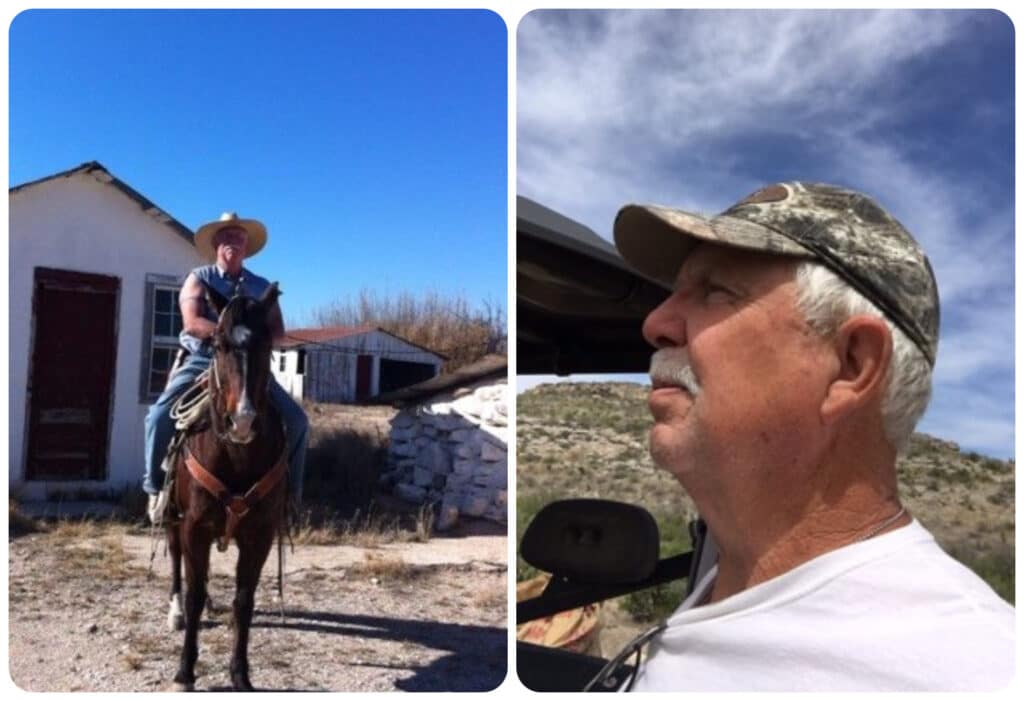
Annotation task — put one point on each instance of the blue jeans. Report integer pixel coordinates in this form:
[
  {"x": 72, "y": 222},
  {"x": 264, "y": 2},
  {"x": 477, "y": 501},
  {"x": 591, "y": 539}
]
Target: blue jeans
[{"x": 160, "y": 426}]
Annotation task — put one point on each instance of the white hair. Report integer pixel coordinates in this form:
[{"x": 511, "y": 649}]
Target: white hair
[{"x": 826, "y": 302}]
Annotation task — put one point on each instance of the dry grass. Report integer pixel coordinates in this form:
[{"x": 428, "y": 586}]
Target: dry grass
[
  {"x": 146, "y": 645},
  {"x": 19, "y": 524},
  {"x": 105, "y": 558},
  {"x": 386, "y": 568},
  {"x": 369, "y": 529},
  {"x": 494, "y": 596},
  {"x": 69, "y": 530},
  {"x": 131, "y": 662},
  {"x": 92, "y": 546}
]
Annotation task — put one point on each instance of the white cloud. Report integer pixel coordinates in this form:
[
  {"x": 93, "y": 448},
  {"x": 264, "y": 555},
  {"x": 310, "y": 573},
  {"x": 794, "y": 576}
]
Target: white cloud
[
  {"x": 635, "y": 94},
  {"x": 669, "y": 106}
]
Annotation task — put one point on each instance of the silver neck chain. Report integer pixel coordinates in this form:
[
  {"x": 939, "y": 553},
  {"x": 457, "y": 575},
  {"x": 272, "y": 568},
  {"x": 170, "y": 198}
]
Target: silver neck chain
[{"x": 882, "y": 526}]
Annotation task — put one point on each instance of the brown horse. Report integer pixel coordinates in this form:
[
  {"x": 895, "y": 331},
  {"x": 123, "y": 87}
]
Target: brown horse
[{"x": 230, "y": 481}]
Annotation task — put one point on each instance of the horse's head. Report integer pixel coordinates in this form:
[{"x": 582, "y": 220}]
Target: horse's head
[{"x": 241, "y": 362}]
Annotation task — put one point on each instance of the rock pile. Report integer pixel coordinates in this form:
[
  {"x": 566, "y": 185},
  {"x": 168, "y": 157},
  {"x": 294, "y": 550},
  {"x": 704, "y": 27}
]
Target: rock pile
[{"x": 451, "y": 452}]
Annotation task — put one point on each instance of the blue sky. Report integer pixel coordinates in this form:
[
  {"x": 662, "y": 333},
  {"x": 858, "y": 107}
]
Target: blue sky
[
  {"x": 373, "y": 144},
  {"x": 697, "y": 109}
]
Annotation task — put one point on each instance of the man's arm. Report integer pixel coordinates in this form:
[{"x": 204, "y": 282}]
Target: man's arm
[{"x": 192, "y": 301}]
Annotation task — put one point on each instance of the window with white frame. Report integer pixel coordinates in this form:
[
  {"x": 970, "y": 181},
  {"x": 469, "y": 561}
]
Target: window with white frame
[{"x": 160, "y": 339}]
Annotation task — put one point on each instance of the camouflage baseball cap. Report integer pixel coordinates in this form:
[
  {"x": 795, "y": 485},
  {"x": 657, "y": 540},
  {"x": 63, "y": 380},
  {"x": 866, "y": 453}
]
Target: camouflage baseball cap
[{"x": 844, "y": 230}]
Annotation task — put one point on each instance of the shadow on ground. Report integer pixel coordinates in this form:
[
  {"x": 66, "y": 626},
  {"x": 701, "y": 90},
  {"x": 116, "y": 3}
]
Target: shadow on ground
[{"x": 477, "y": 659}]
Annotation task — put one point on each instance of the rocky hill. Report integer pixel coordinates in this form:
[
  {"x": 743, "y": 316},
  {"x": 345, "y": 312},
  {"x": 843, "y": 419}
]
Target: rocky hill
[{"x": 590, "y": 439}]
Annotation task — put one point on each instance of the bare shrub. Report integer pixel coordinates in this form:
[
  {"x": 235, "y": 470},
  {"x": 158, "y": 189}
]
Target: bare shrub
[
  {"x": 342, "y": 468},
  {"x": 365, "y": 529},
  {"x": 388, "y": 568},
  {"x": 445, "y": 325}
]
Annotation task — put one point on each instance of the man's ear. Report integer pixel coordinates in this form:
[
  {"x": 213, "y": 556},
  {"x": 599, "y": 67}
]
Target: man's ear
[{"x": 863, "y": 346}]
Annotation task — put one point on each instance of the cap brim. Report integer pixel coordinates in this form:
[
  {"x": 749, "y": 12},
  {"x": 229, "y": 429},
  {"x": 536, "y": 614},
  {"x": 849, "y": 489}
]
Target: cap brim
[{"x": 656, "y": 240}]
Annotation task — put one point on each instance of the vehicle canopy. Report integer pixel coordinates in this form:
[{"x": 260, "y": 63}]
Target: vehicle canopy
[{"x": 579, "y": 305}]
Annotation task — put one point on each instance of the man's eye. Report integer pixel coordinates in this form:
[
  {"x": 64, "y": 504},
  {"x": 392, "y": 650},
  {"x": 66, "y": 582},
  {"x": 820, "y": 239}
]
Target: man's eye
[{"x": 713, "y": 293}]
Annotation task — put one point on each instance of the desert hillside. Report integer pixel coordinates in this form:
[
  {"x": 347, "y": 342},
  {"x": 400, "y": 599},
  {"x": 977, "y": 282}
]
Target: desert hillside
[{"x": 590, "y": 439}]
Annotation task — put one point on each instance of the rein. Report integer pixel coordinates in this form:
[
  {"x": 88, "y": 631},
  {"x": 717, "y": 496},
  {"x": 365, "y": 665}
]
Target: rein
[{"x": 217, "y": 383}]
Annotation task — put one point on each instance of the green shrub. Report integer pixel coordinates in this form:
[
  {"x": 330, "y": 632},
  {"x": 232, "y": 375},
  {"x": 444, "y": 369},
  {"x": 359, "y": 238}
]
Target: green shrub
[
  {"x": 658, "y": 602},
  {"x": 527, "y": 506},
  {"x": 655, "y": 603},
  {"x": 996, "y": 568}
]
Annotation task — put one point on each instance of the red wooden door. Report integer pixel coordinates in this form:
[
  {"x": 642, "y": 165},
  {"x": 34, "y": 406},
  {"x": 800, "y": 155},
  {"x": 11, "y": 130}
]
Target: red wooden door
[
  {"x": 364, "y": 368},
  {"x": 71, "y": 378}
]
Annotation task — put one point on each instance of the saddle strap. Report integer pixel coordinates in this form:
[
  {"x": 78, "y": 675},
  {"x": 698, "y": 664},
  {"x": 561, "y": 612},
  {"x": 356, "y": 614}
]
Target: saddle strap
[{"x": 236, "y": 506}]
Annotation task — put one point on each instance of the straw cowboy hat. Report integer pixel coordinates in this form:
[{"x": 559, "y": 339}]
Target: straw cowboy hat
[{"x": 204, "y": 236}]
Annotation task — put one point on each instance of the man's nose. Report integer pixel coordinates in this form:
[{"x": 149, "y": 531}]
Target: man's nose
[{"x": 665, "y": 326}]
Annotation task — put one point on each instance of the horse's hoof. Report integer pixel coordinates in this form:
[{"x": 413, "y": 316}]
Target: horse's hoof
[
  {"x": 182, "y": 686},
  {"x": 241, "y": 685}
]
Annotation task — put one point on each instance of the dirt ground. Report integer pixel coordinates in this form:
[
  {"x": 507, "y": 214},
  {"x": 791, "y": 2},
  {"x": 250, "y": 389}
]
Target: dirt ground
[{"x": 87, "y": 614}]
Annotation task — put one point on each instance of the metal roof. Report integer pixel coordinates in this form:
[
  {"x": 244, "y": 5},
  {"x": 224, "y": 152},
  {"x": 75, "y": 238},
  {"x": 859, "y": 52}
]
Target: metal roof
[
  {"x": 98, "y": 171},
  {"x": 488, "y": 366},
  {"x": 298, "y": 337}
]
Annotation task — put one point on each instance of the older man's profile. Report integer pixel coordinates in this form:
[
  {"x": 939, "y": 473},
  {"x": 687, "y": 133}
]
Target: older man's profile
[{"x": 793, "y": 360}]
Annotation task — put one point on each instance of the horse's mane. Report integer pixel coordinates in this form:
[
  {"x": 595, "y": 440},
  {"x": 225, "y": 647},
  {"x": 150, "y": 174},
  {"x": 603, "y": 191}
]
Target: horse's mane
[{"x": 238, "y": 312}]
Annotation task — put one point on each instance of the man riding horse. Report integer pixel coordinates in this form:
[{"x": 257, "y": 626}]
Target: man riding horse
[{"x": 227, "y": 242}]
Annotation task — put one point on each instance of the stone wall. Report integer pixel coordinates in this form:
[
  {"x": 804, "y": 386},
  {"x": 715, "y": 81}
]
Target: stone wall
[{"x": 451, "y": 452}]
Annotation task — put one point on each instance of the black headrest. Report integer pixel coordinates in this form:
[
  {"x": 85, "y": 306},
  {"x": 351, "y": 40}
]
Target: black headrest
[{"x": 593, "y": 541}]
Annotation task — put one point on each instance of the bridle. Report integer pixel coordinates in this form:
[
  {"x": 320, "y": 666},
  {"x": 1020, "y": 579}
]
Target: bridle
[
  {"x": 242, "y": 354},
  {"x": 225, "y": 418}
]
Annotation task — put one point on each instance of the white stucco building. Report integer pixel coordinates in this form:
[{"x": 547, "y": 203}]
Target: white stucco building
[
  {"x": 347, "y": 364},
  {"x": 94, "y": 272}
]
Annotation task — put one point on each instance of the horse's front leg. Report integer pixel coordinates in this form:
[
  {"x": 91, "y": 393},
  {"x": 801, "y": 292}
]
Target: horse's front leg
[
  {"x": 252, "y": 553},
  {"x": 175, "y": 614},
  {"x": 196, "y": 543}
]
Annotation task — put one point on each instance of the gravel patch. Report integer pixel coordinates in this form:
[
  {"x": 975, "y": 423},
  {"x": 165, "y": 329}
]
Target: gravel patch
[{"x": 87, "y": 614}]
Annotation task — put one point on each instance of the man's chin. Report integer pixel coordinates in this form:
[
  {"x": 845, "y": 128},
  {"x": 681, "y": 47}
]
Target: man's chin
[{"x": 666, "y": 451}]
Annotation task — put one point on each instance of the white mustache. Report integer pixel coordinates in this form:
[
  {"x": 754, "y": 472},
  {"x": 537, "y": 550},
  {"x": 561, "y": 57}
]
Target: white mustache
[{"x": 671, "y": 366}]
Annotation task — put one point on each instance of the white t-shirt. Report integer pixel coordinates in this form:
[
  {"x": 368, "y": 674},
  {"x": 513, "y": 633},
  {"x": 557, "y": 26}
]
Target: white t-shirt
[{"x": 893, "y": 613}]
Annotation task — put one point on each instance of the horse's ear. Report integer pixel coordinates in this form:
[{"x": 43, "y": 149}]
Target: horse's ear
[
  {"x": 269, "y": 296},
  {"x": 216, "y": 299}
]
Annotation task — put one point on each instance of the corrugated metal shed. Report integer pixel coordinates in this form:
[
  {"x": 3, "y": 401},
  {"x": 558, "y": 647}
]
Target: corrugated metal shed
[{"x": 342, "y": 364}]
